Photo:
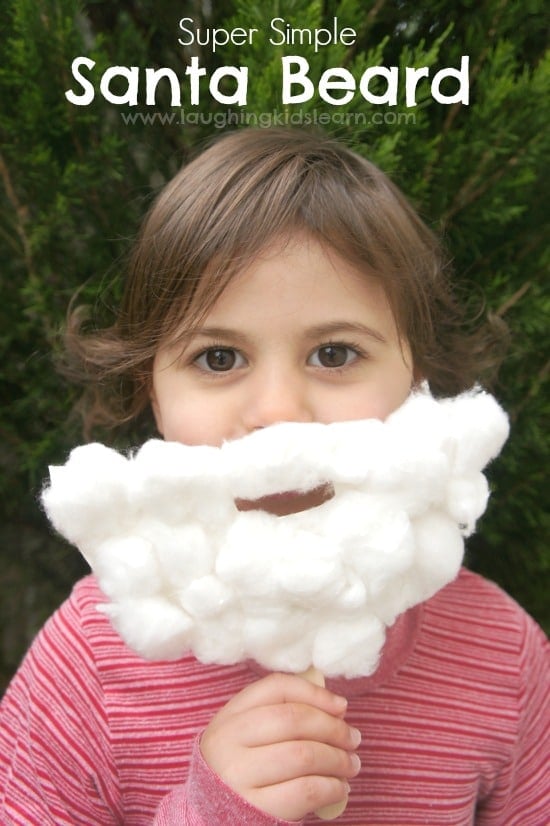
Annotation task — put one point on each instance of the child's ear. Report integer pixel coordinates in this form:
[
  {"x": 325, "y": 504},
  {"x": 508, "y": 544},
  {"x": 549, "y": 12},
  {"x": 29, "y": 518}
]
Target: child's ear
[{"x": 156, "y": 412}]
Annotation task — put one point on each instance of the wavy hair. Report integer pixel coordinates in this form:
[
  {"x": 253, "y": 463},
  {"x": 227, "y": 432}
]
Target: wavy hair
[{"x": 250, "y": 188}]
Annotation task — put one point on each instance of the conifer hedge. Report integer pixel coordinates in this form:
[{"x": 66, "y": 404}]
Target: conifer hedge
[{"x": 75, "y": 181}]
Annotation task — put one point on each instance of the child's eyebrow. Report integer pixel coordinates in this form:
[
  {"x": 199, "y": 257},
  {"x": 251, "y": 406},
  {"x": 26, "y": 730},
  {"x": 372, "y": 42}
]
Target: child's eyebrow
[
  {"x": 223, "y": 333},
  {"x": 332, "y": 328},
  {"x": 318, "y": 331}
]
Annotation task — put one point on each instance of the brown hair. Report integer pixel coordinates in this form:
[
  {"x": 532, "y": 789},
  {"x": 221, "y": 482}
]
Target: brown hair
[{"x": 249, "y": 188}]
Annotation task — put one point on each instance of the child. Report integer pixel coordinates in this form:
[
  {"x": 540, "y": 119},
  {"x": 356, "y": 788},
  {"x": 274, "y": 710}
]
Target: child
[{"x": 280, "y": 277}]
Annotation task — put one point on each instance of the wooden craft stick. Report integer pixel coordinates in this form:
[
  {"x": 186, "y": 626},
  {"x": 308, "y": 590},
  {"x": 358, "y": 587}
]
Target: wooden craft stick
[{"x": 333, "y": 810}]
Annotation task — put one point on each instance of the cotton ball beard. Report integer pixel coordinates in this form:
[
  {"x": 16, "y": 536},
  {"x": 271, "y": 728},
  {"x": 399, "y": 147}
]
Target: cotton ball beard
[{"x": 184, "y": 569}]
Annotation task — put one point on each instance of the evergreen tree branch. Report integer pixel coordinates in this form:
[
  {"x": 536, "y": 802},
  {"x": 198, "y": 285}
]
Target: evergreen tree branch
[
  {"x": 516, "y": 253},
  {"x": 21, "y": 214},
  {"x": 513, "y": 299},
  {"x": 534, "y": 387},
  {"x": 368, "y": 22},
  {"x": 469, "y": 192},
  {"x": 456, "y": 107}
]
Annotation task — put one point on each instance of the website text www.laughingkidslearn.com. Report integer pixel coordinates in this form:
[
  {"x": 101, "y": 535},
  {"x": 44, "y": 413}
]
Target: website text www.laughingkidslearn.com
[{"x": 275, "y": 117}]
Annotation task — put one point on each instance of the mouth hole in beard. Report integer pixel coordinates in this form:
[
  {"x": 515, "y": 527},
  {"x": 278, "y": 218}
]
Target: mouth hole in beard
[{"x": 288, "y": 502}]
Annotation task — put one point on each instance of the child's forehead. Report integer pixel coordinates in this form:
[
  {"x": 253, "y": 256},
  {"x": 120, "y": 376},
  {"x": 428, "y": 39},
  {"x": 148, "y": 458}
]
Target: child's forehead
[
  {"x": 305, "y": 257},
  {"x": 297, "y": 283},
  {"x": 283, "y": 246}
]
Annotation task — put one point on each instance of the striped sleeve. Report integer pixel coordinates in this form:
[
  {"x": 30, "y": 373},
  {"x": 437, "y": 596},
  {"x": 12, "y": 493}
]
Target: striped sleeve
[
  {"x": 521, "y": 796},
  {"x": 61, "y": 753},
  {"x": 55, "y": 759},
  {"x": 206, "y": 800}
]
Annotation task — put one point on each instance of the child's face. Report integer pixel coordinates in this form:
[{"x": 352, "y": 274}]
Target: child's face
[{"x": 300, "y": 336}]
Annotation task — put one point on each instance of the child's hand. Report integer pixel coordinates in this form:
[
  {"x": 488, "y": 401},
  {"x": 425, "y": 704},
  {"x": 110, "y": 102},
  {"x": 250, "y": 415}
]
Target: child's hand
[{"x": 283, "y": 745}]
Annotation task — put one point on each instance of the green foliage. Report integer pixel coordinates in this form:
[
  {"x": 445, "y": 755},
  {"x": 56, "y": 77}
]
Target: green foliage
[{"x": 75, "y": 181}]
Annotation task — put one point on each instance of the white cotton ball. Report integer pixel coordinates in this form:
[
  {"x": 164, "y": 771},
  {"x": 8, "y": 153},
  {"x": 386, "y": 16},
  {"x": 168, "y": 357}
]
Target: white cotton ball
[
  {"x": 308, "y": 567},
  {"x": 353, "y": 449},
  {"x": 349, "y": 648},
  {"x": 413, "y": 461},
  {"x": 479, "y": 427},
  {"x": 353, "y": 595},
  {"x": 282, "y": 642},
  {"x": 399, "y": 455},
  {"x": 349, "y": 513},
  {"x": 288, "y": 565},
  {"x": 400, "y": 594},
  {"x": 439, "y": 551},
  {"x": 281, "y": 458},
  {"x": 418, "y": 421},
  {"x": 466, "y": 500},
  {"x": 183, "y": 552},
  {"x": 414, "y": 486},
  {"x": 178, "y": 482},
  {"x": 161, "y": 462},
  {"x": 243, "y": 561},
  {"x": 86, "y": 499},
  {"x": 383, "y": 552},
  {"x": 285, "y": 567},
  {"x": 125, "y": 566},
  {"x": 415, "y": 498},
  {"x": 152, "y": 626},
  {"x": 220, "y": 640},
  {"x": 205, "y": 596},
  {"x": 293, "y": 659}
]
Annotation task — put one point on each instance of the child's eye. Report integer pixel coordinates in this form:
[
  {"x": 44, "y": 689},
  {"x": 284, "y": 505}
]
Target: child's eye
[
  {"x": 333, "y": 355},
  {"x": 219, "y": 359}
]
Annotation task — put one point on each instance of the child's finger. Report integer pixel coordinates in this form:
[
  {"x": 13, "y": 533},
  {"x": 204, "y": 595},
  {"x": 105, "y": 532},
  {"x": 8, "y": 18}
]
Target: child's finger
[
  {"x": 294, "y": 799},
  {"x": 293, "y": 721},
  {"x": 281, "y": 762},
  {"x": 287, "y": 688}
]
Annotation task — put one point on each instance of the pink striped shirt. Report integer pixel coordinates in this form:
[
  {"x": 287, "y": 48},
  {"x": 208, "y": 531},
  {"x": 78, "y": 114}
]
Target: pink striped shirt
[{"x": 454, "y": 722}]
